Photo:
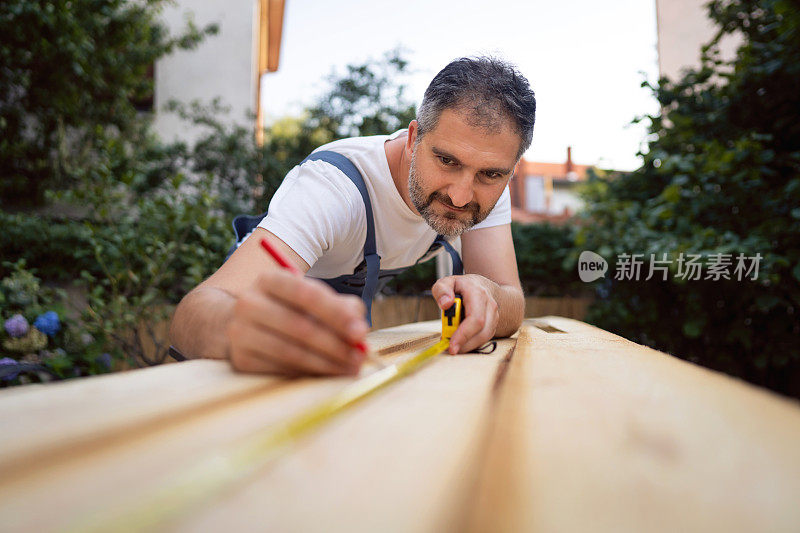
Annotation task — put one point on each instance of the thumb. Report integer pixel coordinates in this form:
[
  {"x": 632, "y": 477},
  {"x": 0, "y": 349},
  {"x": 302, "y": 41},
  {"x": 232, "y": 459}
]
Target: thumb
[{"x": 443, "y": 292}]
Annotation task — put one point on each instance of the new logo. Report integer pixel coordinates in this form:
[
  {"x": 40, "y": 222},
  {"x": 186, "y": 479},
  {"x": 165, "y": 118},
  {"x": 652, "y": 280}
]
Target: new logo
[{"x": 591, "y": 266}]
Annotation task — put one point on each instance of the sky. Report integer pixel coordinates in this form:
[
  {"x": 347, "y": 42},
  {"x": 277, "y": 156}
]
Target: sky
[{"x": 585, "y": 60}]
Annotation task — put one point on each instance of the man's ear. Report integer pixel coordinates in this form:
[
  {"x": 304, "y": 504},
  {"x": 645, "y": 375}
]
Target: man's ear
[{"x": 411, "y": 139}]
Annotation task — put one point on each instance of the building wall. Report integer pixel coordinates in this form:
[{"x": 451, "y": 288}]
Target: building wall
[
  {"x": 224, "y": 65},
  {"x": 535, "y": 194},
  {"x": 565, "y": 198},
  {"x": 683, "y": 29}
]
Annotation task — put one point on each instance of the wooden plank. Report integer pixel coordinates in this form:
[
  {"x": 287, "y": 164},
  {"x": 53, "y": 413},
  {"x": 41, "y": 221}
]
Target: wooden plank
[
  {"x": 399, "y": 338},
  {"x": 59, "y": 417},
  {"x": 49, "y": 420},
  {"x": 128, "y": 470},
  {"x": 589, "y": 432},
  {"x": 114, "y": 472},
  {"x": 593, "y": 432},
  {"x": 400, "y": 462}
]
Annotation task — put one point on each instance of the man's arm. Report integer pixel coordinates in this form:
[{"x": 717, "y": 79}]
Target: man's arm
[
  {"x": 265, "y": 319},
  {"x": 490, "y": 288}
]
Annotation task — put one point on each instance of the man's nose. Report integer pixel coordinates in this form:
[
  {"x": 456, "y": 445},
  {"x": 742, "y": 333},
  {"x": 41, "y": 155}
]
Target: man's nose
[{"x": 460, "y": 191}]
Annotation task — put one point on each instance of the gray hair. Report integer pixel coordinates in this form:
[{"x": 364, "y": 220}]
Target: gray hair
[{"x": 488, "y": 90}]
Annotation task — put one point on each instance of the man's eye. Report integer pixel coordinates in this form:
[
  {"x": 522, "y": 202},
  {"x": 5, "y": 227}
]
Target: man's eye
[
  {"x": 446, "y": 160},
  {"x": 493, "y": 175}
]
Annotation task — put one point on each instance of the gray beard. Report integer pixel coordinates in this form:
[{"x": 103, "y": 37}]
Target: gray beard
[{"x": 448, "y": 224}]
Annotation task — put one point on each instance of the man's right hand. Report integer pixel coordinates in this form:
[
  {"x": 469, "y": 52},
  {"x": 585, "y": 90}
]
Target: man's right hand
[{"x": 294, "y": 325}]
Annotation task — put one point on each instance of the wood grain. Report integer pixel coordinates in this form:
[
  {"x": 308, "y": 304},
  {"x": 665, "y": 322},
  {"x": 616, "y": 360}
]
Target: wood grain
[
  {"x": 401, "y": 462},
  {"x": 44, "y": 425},
  {"x": 593, "y": 432},
  {"x": 106, "y": 473},
  {"x": 43, "y": 422}
]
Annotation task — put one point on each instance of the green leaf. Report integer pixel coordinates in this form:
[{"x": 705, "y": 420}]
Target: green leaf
[{"x": 796, "y": 271}]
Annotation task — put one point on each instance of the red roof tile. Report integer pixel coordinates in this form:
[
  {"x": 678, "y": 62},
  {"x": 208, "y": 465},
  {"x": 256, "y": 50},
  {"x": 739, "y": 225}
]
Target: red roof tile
[{"x": 554, "y": 170}]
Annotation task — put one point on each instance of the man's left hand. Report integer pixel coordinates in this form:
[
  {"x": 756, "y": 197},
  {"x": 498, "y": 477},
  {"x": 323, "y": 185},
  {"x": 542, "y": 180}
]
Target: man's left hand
[{"x": 482, "y": 315}]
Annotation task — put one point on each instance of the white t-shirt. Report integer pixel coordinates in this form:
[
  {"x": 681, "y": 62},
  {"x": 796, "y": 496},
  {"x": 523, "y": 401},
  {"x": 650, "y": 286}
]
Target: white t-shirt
[{"x": 319, "y": 212}]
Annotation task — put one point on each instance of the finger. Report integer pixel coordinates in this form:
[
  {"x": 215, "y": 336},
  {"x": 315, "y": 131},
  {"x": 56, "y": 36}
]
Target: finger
[
  {"x": 343, "y": 314},
  {"x": 259, "y": 350},
  {"x": 443, "y": 292},
  {"x": 252, "y": 363},
  {"x": 487, "y": 332},
  {"x": 297, "y": 328},
  {"x": 247, "y": 360},
  {"x": 471, "y": 326},
  {"x": 474, "y": 302}
]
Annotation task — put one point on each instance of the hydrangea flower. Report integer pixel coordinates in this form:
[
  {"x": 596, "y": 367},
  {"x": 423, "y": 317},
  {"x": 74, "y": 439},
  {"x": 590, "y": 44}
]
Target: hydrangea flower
[
  {"x": 16, "y": 326},
  {"x": 48, "y": 323},
  {"x": 104, "y": 359},
  {"x": 34, "y": 341},
  {"x": 5, "y": 361}
]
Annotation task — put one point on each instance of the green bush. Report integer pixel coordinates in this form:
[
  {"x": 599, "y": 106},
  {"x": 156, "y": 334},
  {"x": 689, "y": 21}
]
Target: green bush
[
  {"x": 40, "y": 341},
  {"x": 132, "y": 266},
  {"x": 59, "y": 247},
  {"x": 66, "y": 250},
  {"x": 722, "y": 176},
  {"x": 546, "y": 259},
  {"x": 151, "y": 252}
]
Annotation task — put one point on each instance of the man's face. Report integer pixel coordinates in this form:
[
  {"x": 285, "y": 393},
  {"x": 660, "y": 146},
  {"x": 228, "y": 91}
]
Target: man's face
[{"x": 458, "y": 171}]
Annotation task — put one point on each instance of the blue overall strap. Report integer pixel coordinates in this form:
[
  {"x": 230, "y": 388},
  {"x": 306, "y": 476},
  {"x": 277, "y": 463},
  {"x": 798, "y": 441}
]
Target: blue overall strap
[
  {"x": 371, "y": 256},
  {"x": 458, "y": 266},
  {"x": 243, "y": 225}
]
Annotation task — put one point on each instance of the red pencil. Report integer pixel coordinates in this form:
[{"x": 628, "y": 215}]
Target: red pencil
[
  {"x": 282, "y": 261},
  {"x": 277, "y": 256}
]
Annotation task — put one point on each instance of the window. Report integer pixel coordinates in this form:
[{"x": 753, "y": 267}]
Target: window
[{"x": 534, "y": 194}]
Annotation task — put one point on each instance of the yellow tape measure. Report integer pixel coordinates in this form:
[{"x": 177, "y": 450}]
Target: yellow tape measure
[
  {"x": 451, "y": 318},
  {"x": 216, "y": 473}
]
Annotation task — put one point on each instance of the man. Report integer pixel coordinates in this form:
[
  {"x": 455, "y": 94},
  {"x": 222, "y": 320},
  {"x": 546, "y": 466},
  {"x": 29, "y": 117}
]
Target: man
[{"x": 447, "y": 174}]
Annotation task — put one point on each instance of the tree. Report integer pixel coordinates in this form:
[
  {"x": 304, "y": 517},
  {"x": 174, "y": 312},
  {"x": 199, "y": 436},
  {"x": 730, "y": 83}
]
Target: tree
[
  {"x": 369, "y": 99},
  {"x": 721, "y": 178},
  {"x": 71, "y": 73}
]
